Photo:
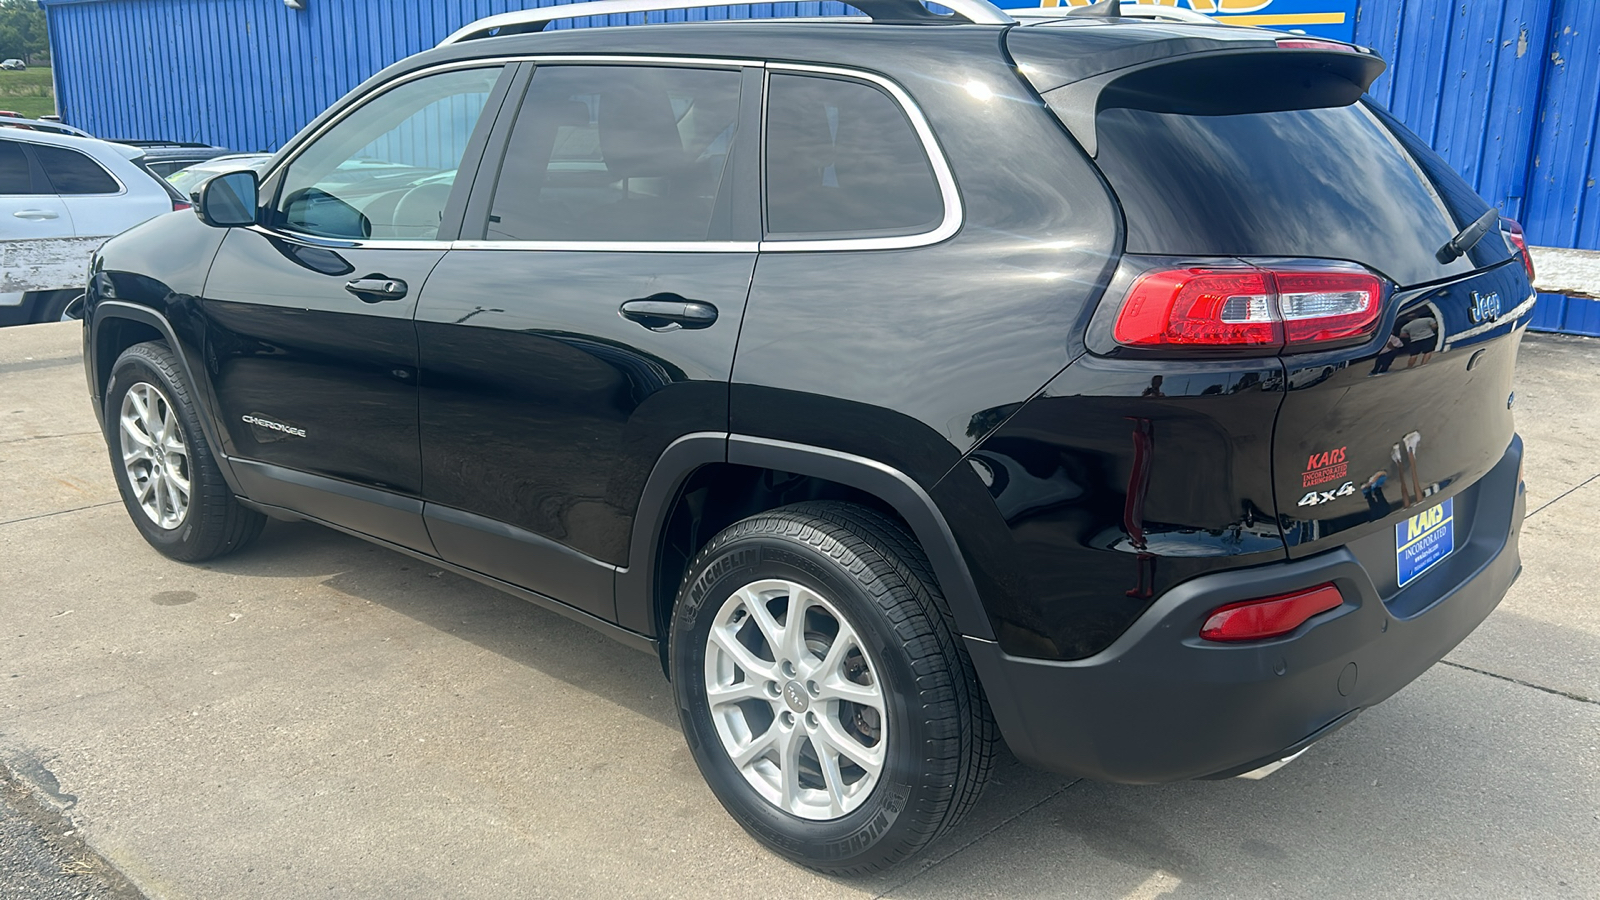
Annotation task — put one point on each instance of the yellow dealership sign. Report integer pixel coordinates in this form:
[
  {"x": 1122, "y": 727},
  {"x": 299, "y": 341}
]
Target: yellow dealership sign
[{"x": 1323, "y": 18}]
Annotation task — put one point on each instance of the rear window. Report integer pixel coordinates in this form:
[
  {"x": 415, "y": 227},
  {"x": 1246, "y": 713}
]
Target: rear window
[
  {"x": 71, "y": 172},
  {"x": 1333, "y": 183}
]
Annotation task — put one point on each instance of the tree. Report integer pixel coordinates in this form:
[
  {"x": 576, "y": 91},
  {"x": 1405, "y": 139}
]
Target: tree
[{"x": 23, "y": 32}]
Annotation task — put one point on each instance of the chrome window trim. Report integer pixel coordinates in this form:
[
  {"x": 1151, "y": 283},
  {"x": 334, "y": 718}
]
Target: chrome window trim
[
  {"x": 487, "y": 62},
  {"x": 339, "y": 244},
  {"x": 954, "y": 213},
  {"x": 278, "y": 165},
  {"x": 615, "y": 246}
]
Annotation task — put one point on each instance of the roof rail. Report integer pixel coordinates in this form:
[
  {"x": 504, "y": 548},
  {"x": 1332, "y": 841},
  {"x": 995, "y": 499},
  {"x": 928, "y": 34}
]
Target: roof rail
[
  {"x": 41, "y": 125},
  {"x": 896, "y": 12}
]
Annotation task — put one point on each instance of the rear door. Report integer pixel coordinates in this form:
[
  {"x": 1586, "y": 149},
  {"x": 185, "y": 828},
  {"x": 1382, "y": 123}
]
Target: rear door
[
  {"x": 589, "y": 318},
  {"x": 1372, "y": 434},
  {"x": 35, "y": 226}
]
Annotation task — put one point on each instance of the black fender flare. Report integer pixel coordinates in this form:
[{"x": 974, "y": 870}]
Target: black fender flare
[
  {"x": 635, "y": 584},
  {"x": 119, "y": 309}
]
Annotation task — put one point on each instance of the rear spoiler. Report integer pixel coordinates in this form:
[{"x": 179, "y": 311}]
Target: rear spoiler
[{"x": 1264, "y": 76}]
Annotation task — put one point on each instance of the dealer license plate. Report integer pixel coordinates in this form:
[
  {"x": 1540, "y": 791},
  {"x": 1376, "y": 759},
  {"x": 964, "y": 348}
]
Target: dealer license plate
[{"x": 1422, "y": 540}]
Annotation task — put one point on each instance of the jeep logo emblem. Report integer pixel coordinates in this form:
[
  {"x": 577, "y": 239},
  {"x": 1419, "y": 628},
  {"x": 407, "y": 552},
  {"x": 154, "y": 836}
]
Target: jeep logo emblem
[
  {"x": 795, "y": 696},
  {"x": 1485, "y": 307}
]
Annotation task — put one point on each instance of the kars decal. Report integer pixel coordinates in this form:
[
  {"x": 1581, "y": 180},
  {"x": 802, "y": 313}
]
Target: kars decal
[{"x": 1321, "y": 468}]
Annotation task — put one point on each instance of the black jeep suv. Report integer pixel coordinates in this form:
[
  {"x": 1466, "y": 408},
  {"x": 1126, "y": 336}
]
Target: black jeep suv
[{"x": 1132, "y": 389}]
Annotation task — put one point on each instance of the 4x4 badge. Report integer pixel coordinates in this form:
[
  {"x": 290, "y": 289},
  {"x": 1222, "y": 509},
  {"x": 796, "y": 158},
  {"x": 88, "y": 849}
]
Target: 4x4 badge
[{"x": 1318, "y": 497}]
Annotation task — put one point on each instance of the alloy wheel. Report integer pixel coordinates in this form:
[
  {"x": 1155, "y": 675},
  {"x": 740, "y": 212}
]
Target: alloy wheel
[
  {"x": 796, "y": 699},
  {"x": 154, "y": 455}
]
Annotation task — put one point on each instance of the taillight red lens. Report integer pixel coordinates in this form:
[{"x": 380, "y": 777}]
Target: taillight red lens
[
  {"x": 178, "y": 205},
  {"x": 1512, "y": 229},
  {"x": 1249, "y": 308},
  {"x": 1255, "y": 620},
  {"x": 1199, "y": 307},
  {"x": 1312, "y": 44}
]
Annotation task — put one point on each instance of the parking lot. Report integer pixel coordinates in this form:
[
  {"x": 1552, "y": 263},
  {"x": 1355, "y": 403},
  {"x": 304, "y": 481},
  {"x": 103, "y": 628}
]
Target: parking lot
[{"x": 320, "y": 717}]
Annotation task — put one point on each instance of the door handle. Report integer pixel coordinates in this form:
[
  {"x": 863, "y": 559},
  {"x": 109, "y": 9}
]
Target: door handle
[
  {"x": 669, "y": 312},
  {"x": 36, "y": 214},
  {"x": 377, "y": 288}
]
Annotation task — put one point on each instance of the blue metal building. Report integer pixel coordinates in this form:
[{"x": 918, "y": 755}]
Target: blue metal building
[{"x": 1507, "y": 90}]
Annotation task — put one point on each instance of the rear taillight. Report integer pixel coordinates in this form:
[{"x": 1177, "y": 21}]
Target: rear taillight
[
  {"x": 1514, "y": 236},
  {"x": 179, "y": 205},
  {"x": 1255, "y": 620},
  {"x": 1199, "y": 308},
  {"x": 1249, "y": 308},
  {"x": 1313, "y": 44}
]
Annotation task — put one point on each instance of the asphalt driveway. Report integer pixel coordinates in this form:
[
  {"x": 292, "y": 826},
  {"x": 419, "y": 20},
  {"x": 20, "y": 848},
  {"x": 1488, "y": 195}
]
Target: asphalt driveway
[{"x": 320, "y": 717}]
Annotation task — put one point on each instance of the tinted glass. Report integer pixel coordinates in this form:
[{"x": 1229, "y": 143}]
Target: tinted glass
[
  {"x": 386, "y": 170},
  {"x": 1464, "y": 203},
  {"x": 71, "y": 172},
  {"x": 1330, "y": 183},
  {"x": 843, "y": 160},
  {"x": 612, "y": 153},
  {"x": 15, "y": 178}
]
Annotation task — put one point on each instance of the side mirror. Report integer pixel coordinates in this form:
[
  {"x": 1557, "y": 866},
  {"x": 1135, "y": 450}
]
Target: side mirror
[{"x": 228, "y": 201}]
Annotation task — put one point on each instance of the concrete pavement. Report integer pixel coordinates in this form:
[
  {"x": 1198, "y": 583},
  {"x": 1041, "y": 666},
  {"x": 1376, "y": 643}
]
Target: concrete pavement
[{"x": 319, "y": 717}]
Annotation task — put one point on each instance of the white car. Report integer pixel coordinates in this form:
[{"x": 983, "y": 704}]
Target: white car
[
  {"x": 61, "y": 197},
  {"x": 185, "y": 181}
]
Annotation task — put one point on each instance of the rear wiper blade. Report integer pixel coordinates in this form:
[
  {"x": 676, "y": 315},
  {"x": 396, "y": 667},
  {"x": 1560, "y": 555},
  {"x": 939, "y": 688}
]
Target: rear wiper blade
[{"x": 1468, "y": 238}]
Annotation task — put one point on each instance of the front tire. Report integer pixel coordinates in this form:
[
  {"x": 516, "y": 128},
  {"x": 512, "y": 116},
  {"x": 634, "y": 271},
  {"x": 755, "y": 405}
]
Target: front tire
[
  {"x": 168, "y": 478},
  {"x": 822, "y": 691}
]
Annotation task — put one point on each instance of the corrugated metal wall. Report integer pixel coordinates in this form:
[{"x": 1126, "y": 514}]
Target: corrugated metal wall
[
  {"x": 1507, "y": 90},
  {"x": 247, "y": 74}
]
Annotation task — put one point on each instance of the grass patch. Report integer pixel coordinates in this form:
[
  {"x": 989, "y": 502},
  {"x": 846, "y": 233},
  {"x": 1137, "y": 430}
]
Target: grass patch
[{"x": 31, "y": 93}]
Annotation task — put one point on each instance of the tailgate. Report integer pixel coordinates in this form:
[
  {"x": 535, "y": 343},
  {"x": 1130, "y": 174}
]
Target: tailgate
[{"x": 1365, "y": 442}]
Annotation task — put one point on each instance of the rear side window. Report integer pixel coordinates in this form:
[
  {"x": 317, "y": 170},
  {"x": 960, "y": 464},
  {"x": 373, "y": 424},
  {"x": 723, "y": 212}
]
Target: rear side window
[
  {"x": 71, "y": 172},
  {"x": 620, "y": 153},
  {"x": 842, "y": 160},
  {"x": 1332, "y": 183},
  {"x": 15, "y": 177}
]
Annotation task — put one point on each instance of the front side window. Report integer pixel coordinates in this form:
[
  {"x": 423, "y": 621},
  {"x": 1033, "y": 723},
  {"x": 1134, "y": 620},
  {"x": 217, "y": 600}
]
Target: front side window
[
  {"x": 842, "y": 160},
  {"x": 15, "y": 176},
  {"x": 619, "y": 153},
  {"x": 71, "y": 172},
  {"x": 385, "y": 171}
]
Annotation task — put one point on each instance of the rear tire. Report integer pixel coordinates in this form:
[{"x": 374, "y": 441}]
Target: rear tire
[
  {"x": 49, "y": 306},
  {"x": 851, "y": 742},
  {"x": 165, "y": 471}
]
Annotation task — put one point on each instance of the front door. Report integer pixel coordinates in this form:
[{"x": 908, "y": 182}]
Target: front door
[
  {"x": 594, "y": 323},
  {"x": 309, "y": 331}
]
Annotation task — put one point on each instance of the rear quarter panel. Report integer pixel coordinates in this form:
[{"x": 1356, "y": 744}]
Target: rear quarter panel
[{"x": 911, "y": 356}]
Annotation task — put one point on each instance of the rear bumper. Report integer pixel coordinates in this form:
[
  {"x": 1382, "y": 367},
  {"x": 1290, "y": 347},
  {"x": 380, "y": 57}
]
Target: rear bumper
[{"x": 1161, "y": 705}]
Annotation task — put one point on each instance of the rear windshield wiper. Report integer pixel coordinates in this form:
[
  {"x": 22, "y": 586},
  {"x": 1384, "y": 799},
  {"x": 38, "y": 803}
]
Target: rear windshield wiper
[{"x": 1468, "y": 237}]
